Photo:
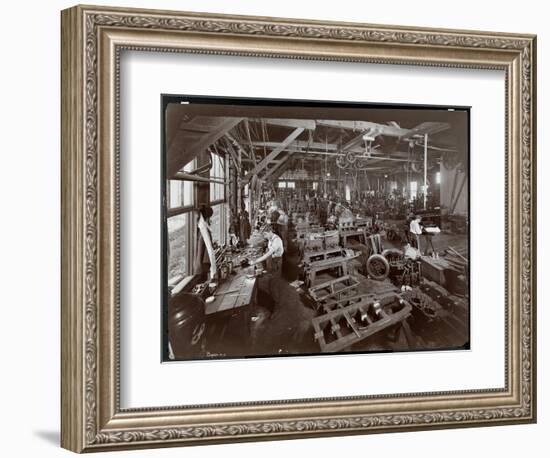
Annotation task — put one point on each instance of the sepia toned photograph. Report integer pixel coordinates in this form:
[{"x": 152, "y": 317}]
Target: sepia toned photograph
[{"x": 309, "y": 227}]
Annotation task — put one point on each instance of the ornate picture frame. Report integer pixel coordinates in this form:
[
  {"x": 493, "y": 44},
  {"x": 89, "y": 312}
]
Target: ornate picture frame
[{"x": 92, "y": 41}]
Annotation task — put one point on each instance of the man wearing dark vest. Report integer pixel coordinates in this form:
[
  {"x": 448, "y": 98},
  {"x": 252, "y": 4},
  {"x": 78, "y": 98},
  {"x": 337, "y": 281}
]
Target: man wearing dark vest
[
  {"x": 274, "y": 253},
  {"x": 274, "y": 261}
]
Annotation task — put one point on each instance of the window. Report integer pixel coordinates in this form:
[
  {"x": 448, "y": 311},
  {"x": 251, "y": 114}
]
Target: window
[
  {"x": 180, "y": 193},
  {"x": 218, "y": 221},
  {"x": 286, "y": 184},
  {"x": 219, "y": 224},
  {"x": 438, "y": 177},
  {"x": 414, "y": 189},
  {"x": 348, "y": 193},
  {"x": 179, "y": 247},
  {"x": 176, "y": 194},
  {"x": 217, "y": 190},
  {"x": 180, "y": 226}
]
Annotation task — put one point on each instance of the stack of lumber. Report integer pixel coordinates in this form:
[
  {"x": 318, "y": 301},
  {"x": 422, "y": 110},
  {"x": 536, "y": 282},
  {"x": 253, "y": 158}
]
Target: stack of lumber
[{"x": 457, "y": 259}]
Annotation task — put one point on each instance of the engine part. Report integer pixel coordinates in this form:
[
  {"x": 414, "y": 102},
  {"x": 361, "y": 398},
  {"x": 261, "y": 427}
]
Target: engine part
[
  {"x": 341, "y": 328},
  {"x": 378, "y": 267}
]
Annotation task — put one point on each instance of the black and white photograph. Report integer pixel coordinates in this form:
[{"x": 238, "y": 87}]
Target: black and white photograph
[
  {"x": 310, "y": 227},
  {"x": 265, "y": 229}
]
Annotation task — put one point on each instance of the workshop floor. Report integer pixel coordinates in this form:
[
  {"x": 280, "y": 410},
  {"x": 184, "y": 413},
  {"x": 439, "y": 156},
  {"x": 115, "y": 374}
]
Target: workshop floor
[
  {"x": 280, "y": 323},
  {"x": 440, "y": 241}
]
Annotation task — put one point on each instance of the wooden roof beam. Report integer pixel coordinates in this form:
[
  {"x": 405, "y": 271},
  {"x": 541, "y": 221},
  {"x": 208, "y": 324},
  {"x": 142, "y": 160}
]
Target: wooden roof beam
[
  {"x": 427, "y": 128},
  {"x": 181, "y": 150},
  {"x": 275, "y": 172},
  {"x": 379, "y": 129},
  {"x": 274, "y": 153},
  {"x": 308, "y": 124}
]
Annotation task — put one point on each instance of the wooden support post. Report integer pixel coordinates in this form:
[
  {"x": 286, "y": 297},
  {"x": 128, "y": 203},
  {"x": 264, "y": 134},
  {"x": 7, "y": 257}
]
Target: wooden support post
[{"x": 425, "y": 170}]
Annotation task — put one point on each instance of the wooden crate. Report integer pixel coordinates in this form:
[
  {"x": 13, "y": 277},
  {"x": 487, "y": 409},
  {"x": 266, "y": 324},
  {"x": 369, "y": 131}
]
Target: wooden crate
[
  {"x": 434, "y": 269},
  {"x": 311, "y": 256},
  {"x": 338, "y": 262},
  {"x": 339, "y": 329},
  {"x": 334, "y": 289}
]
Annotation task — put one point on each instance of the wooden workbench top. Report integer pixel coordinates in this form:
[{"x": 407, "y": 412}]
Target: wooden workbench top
[{"x": 237, "y": 291}]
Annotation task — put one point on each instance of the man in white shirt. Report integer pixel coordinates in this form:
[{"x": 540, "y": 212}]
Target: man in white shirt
[
  {"x": 274, "y": 258},
  {"x": 275, "y": 250},
  {"x": 416, "y": 231}
]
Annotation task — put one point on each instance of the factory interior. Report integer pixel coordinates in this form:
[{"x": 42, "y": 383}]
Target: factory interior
[{"x": 314, "y": 228}]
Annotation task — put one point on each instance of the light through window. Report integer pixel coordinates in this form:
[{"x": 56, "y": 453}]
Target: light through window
[
  {"x": 348, "y": 193},
  {"x": 180, "y": 193},
  {"x": 414, "y": 189},
  {"x": 178, "y": 247},
  {"x": 217, "y": 172}
]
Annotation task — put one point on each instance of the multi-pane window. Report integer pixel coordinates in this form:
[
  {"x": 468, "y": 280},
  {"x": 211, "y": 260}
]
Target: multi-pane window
[
  {"x": 219, "y": 224},
  {"x": 180, "y": 193},
  {"x": 218, "y": 221},
  {"x": 180, "y": 200},
  {"x": 217, "y": 172},
  {"x": 348, "y": 193},
  {"x": 414, "y": 189},
  {"x": 181, "y": 224},
  {"x": 179, "y": 246},
  {"x": 286, "y": 184}
]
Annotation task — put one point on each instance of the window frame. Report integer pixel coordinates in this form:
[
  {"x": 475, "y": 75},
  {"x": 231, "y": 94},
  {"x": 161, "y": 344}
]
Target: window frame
[
  {"x": 223, "y": 163},
  {"x": 191, "y": 225},
  {"x": 413, "y": 191},
  {"x": 174, "y": 211}
]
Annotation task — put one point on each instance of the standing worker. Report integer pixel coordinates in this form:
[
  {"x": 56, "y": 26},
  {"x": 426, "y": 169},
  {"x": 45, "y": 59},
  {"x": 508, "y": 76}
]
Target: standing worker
[
  {"x": 205, "y": 260},
  {"x": 407, "y": 226},
  {"x": 274, "y": 258},
  {"x": 274, "y": 253},
  {"x": 282, "y": 227},
  {"x": 416, "y": 231}
]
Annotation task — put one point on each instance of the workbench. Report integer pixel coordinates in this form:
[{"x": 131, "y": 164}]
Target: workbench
[
  {"x": 360, "y": 235},
  {"x": 233, "y": 305},
  {"x": 434, "y": 269},
  {"x": 350, "y": 230},
  {"x": 311, "y": 256},
  {"x": 340, "y": 262},
  {"x": 236, "y": 292}
]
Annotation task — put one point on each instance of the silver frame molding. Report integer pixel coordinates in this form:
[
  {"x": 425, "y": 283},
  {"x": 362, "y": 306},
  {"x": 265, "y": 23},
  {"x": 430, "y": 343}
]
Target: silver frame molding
[{"x": 92, "y": 40}]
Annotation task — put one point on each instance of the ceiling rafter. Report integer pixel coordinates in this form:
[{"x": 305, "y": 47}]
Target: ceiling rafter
[{"x": 274, "y": 153}]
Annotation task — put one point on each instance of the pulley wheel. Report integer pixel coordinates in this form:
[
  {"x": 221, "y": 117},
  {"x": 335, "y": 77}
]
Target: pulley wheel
[
  {"x": 351, "y": 157},
  {"x": 378, "y": 267}
]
